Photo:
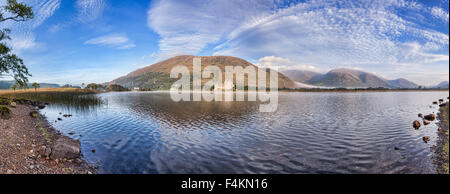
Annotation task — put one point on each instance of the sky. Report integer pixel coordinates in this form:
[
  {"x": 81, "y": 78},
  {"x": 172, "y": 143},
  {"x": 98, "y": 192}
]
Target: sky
[{"x": 84, "y": 41}]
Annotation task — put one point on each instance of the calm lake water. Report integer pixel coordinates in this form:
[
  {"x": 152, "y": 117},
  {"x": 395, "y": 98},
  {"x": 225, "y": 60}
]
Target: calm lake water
[{"x": 310, "y": 133}]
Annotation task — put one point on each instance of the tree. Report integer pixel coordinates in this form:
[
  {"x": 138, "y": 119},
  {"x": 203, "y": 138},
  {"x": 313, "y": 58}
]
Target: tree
[
  {"x": 117, "y": 88},
  {"x": 82, "y": 85},
  {"x": 22, "y": 85},
  {"x": 13, "y": 87},
  {"x": 35, "y": 86},
  {"x": 11, "y": 64},
  {"x": 92, "y": 86}
]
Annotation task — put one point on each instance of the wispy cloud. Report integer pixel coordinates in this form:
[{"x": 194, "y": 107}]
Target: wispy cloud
[
  {"x": 86, "y": 11},
  {"x": 90, "y": 10},
  {"x": 380, "y": 35},
  {"x": 22, "y": 37},
  {"x": 116, "y": 41},
  {"x": 440, "y": 13},
  {"x": 189, "y": 26}
]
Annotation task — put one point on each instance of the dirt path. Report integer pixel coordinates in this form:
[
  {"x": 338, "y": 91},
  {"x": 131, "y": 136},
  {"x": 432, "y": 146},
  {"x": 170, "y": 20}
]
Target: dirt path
[{"x": 22, "y": 141}]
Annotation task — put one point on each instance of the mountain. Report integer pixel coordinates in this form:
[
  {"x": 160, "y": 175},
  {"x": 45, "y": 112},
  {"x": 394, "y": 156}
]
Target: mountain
[
  {"x": 442, "y": 85},
  {"x": 7, "y": 84},
  {"x": 301, "y": 76},
  {"x": 157, "y": 76},
  {"x": 402, "y": 83},
  {"x": 347, "y": 78},
  {"x": 47, "y": 85}
]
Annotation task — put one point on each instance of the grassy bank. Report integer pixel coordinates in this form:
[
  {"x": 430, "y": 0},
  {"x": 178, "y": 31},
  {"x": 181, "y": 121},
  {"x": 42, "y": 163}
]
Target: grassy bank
[
  {"x": 444, "y": 137},
  {"x": 72, "y": 96},
  {"x": 44, "y": 90}
]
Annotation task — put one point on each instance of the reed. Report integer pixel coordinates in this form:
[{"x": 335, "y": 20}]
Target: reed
[{"x": 73, "y": 97}]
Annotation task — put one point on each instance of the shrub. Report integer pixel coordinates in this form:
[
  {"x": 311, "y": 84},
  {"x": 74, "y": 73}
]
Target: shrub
[
  {"x": 4, "y": 101},
  {"x": 34, "y": 114},
  {"x": 5, "y": 113}
]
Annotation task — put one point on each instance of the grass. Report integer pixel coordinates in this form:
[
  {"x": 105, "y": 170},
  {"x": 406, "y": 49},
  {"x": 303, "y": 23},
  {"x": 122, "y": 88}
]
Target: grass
[
  {"x": 47, "y": 135},
  {"x": 40, "y": 91},
  {"x": 444, "y": 111},
  {"x": 79, "y": 98},
  {"x": 5, "y": 113}
]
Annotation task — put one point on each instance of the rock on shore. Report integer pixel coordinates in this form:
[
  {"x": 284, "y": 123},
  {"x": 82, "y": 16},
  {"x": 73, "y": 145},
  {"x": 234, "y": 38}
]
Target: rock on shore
[{"x": 67, "y": 148}]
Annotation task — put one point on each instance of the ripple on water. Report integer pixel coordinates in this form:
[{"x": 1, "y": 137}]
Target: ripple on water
[{"x": 310, "y": 133}]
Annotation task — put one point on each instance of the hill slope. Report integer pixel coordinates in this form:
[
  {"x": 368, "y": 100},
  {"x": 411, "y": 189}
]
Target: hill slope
[
  {"x": 402, "y": 83},
  {"x": 442, "y": 85},
  {"x": 157, "y": 76},
  {"x": 301, "y": 76},
  {"x": 347, "y": 78}
]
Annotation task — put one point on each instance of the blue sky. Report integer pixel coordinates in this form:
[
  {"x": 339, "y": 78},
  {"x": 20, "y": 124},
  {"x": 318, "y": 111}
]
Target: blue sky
[{"x": 84, "y": 41}]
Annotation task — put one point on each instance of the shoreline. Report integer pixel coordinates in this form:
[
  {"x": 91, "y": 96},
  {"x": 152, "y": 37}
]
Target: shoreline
[
  {"x": 300, "y": 91},
  {"x": 27, "y": 144},
  {"x": 441, "y": 155}
]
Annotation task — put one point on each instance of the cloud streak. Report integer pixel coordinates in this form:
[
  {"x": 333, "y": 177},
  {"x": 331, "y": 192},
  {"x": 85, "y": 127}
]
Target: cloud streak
[
  {"x": 90, "y": 10},
  {"x": 116, "y": 41}
]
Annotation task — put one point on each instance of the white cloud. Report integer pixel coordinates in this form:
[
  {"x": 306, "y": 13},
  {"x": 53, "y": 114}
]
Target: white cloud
[
  {"x": 24, "y": 43},
  {"x": 90, "y": 10},
  {"x": 440, "y": 13},
  {"x": 282, "y": 64},
  {"x": 77, "y": 76},
  {"x": 376, "y": 35},
  {"x": 338, "y": 36},
  {"x": 189, "y": 26},
  {"x": 117, "y": 41}
]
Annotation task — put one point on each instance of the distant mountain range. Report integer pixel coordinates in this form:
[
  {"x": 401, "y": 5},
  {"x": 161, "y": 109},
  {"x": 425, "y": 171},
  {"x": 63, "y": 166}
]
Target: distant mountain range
[
  {"x": 7, "y": 84},
  {"x": 442, "y": 85},
  {"x": 157, "y": 76},
  {"x": 347, "y": 78}
]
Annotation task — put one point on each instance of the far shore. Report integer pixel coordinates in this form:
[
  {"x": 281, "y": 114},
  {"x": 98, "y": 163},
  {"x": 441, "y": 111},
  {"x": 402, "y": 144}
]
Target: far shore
[
  {"x": 336, "y": 90},
  {"x": 322, "y": 90}
]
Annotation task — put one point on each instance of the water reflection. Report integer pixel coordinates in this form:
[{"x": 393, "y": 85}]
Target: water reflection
[
  {"x": 310, "y": 133},
  {"x": 77, "y": 104}
]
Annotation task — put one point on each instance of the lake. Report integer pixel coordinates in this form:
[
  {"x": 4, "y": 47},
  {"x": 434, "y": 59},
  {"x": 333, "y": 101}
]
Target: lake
[{"x": 309, "y": 133}]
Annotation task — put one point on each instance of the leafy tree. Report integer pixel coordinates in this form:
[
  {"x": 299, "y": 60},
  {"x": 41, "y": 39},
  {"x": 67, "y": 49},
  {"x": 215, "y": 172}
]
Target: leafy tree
[
  {"x": 92, "y": 86},
  {"x": 117, "y": 88},
  {"x": 66, "y": 86},
  {"x": 11, "y": 64},
  {"x": 13, "y": 87},
  {"x": 22, "y": 85},
  {"x": 35, "y": 86}
]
